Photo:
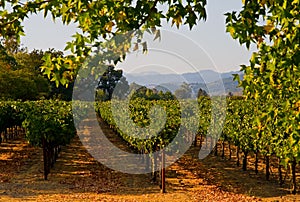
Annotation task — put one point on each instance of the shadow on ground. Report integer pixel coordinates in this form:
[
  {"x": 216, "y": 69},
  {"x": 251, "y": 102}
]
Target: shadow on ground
[{"x": 78, "y": 176}]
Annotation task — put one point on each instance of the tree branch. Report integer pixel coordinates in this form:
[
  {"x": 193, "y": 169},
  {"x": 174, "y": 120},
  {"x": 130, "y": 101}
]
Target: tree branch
[
  {"x": 147, "y": 17},
  {"x": 7, "y": 23}
]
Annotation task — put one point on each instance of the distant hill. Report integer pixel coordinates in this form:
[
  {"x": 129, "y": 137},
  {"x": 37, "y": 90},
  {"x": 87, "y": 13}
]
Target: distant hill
[{"x": 205, "y": 79}]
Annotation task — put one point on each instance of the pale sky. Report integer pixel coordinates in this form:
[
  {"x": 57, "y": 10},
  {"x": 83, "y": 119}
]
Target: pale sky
[{"x": 213, "y": 47}]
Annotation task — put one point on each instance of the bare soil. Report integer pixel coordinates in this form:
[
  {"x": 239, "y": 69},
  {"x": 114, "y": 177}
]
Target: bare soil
[{"x": 77, "y": 176}]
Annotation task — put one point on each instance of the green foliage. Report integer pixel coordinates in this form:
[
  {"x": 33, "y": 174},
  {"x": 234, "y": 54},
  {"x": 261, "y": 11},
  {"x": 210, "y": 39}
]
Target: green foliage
[
  {"x": 272, "y": 78},
  {"x": 99, "y": 21},
  {"x": 52, "y": 120},
  {"x": 201, "y": 92},
  {"x": 7, "y": 62},
  {"x": 108, "y": 81},
  {"x": 21, "y": 78},
  {"x": 22, "y": 84},
  {"x": 242, "y": 127},
  {"x": 184, "y": 91},
  {"x": 137, "y": 91},
  {"x": 8, "y": 115},
  {"x": 139, "y": 114}
]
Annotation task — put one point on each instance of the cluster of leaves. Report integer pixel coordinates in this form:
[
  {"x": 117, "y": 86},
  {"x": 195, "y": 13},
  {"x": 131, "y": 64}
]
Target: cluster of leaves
[
  {"x": 184, "y": 91},
  {"x": 109, "y": 80},
  {"x": 239, "y": 124},
  {"x": 137, "y": 91},
  {"x": 259, "y": 134},
  {"x": 146, "y": 128},
  {"x": 20, "y": 75},
  {"x": 52, "y": 120},
  {"x": 205, "y": 114},
  {"x": 272, "y": 78},
  {"x": 24, "y": 85},
  {"x": 242, "y": 127},
  {"x": 17, "y": 79},
  {"x": 99, "y": 21},
  {"x": 8, "y": 115},
  {"x": 6, "y": 60},
  {"x": 137, "y": 119},
  {"x": 48, "y": 124}
]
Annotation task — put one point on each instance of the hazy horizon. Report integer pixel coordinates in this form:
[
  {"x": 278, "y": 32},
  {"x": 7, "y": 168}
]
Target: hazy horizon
[{"x": 164, "y": 73}]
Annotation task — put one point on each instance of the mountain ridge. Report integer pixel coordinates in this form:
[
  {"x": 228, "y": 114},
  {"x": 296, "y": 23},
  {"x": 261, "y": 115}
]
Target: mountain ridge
[{"x": 208, "y": 80}]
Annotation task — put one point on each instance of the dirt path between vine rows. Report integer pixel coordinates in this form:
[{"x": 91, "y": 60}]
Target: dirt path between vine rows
[{"x": 77, "y": 176}]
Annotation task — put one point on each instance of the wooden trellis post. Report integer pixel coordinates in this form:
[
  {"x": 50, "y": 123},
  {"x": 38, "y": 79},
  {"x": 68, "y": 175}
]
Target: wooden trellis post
[{"x": 163, "y": 177}]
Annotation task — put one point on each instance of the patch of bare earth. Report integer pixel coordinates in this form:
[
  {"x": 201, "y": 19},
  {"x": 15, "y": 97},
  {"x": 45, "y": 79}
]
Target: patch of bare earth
[
  {"x": 77, "y": 176},
  {"x": 13, "y": 157}
]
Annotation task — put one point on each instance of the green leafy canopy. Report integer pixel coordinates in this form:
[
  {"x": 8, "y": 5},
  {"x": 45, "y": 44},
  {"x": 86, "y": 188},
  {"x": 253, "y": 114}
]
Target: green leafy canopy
[{"x": 99, "y": 21}]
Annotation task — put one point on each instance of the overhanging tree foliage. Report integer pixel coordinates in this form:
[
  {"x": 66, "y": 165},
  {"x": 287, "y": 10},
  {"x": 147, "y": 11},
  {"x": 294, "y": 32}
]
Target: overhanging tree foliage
[{"x": 98, "y": 21}]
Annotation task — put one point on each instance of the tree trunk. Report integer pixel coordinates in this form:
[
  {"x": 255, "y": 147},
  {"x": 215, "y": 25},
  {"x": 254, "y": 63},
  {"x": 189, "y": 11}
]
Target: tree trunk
[
  {"x": 163, "y": 177},
  {"x": 245, "y": 160},
  {"x": 195, "y": 141},
  {"x": 147, "y": 167},
  {"x": 280, "y": 173},
  {"x": 154, "y": 166},
  {"x": 267, "y": 167},
  {"x": 256, "y": 162},
  {"x": 201, "y": 140},
  {"x": 52, "y": 156},
  {"x": 294, "y": 190},
  {"x": 211, "y": 143},
  {"x": 238, "y": 156},
  {"x": 229, "y": 147},
  {"x": 45, "y": 158},
  {"x": 223, "y": 149},
  {"x": 216, "y": 149}
]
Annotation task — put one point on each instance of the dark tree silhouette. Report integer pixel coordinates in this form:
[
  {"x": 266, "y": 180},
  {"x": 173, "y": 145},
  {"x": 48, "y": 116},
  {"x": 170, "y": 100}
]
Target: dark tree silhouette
[
  {"x": 109, "y": 80},
  {"x": 202, "y": 92}
]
